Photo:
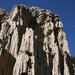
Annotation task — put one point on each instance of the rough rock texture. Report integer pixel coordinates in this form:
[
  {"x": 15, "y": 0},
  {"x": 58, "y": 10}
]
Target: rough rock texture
[{"x": 32, "y": 42}]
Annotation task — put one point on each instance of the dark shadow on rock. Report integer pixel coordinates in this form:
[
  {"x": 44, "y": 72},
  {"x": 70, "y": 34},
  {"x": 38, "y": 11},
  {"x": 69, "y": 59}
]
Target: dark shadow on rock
[
  {"x": 70, "y": 61},
  {"x": 50, "y": 67},
  {"x": 61, "y": 63},
  {"x": 40, "y": 59},
  {"x": 28, "y": 21},
  {"x": 39, "y": 53},
  {"x": 41, "y": 67},
  {"x": 23, "y": 73},
  {"x": 7, "y": 62}
]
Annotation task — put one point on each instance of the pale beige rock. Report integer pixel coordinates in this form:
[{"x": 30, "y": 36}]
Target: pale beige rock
[
  {"x": 63, "y": 45},
  {"x": 32, "y": 42},
  {"x": 21, "y": 64}
]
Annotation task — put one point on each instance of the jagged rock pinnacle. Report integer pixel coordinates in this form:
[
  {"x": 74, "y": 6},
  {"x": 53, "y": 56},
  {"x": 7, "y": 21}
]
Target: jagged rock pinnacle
[{"x": 32, "y": 42}]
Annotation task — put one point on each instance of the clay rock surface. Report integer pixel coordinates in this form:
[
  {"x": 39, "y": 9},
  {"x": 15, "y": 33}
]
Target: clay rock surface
[{"x": 32, "y": 42}]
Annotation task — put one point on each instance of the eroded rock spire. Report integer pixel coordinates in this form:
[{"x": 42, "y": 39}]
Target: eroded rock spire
[{"x": 32, "y": 42}]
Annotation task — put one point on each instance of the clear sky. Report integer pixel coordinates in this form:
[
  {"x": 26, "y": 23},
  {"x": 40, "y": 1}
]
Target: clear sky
[{"x": 64, "y": 8}]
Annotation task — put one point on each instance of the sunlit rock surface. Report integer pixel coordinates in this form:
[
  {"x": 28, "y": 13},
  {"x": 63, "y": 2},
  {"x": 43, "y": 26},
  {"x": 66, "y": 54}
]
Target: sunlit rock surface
[{"x": 32, "y": 42}]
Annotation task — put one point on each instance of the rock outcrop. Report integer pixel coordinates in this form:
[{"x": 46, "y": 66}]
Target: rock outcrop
[{"x": 32, "y": 42}]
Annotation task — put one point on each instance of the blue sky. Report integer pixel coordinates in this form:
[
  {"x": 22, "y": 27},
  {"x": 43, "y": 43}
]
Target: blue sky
[{"x": 64, "y": 8}]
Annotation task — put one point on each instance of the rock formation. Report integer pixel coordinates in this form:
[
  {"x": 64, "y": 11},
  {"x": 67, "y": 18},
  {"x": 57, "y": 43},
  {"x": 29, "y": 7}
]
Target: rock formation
[{"x": 32, "y": 42}]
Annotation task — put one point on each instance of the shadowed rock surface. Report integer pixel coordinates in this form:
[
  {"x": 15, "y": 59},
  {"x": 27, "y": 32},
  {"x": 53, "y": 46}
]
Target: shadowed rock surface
[{"x": 32, "y": 42}]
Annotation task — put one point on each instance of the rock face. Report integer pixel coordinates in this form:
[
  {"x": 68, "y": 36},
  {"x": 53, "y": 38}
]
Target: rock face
[{"x": 32, "y": 42}]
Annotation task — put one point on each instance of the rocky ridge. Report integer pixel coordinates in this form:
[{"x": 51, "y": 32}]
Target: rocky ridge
[{"x": 32, "y": 42}]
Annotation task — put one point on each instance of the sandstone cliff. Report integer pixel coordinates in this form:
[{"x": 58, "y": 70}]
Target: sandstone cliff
[{"x": 32, "y": 42}]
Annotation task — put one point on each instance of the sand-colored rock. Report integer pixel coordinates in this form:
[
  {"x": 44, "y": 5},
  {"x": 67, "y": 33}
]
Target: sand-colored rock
[{"x": 32, "y": 42}]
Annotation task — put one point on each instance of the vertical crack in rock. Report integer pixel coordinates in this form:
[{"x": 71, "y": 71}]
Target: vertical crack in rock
[{"x": 32, "y": 42}]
